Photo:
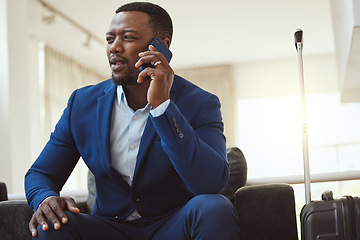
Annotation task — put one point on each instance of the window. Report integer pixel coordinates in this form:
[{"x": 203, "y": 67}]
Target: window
[{"x": 270, "y": 136}]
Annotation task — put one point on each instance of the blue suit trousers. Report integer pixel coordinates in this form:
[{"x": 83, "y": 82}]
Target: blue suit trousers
[{"x": 208, "y": 216}]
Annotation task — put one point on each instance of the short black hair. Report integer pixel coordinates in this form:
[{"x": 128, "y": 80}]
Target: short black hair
[{"x": 159, "y": 19}]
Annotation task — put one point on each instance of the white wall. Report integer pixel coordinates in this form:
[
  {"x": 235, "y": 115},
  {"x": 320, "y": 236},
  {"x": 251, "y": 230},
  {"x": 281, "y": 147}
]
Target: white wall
[
  {"x": 346, "y": 21},
  {"x": 280, "y": 77}
]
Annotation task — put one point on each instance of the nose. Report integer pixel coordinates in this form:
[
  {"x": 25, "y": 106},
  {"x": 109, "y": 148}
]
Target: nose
[{"x": 116, "y": 46}]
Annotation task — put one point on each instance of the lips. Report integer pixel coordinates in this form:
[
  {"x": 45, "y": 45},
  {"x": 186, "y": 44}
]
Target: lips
[{"x": 117, "y": 63}]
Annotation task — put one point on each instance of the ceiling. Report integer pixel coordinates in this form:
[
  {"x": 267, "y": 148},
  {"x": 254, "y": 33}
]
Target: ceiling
[{"x": 205, "y": 32}]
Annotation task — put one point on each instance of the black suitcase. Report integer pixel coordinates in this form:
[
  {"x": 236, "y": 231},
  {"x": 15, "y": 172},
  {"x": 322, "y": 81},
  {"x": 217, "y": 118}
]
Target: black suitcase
[
  {"x": 331, "y": 219},
  {"x": 328, "y": 219}
]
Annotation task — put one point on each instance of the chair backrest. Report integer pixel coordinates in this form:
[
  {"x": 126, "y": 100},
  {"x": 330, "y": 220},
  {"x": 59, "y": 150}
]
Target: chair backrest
[
  {"x": 91, "y": 191},
  {"x": 3, "y": 192},
  {"x": 238, "y": 172}
]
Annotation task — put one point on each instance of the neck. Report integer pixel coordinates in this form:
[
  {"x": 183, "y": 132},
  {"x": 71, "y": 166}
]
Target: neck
[{"x": 136, "y": 95}]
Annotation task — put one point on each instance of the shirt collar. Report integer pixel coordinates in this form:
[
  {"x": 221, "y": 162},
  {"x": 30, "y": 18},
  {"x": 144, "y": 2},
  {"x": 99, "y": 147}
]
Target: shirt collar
[
  {"x": 120, "y": 95},
  {"x": 121, "y": 99}
]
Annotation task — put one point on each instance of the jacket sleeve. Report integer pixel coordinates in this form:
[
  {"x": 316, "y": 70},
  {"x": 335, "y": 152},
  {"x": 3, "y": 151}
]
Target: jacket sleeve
[
  {"x": 52, "y": 168},
  {"x": 197, "y": 150}
]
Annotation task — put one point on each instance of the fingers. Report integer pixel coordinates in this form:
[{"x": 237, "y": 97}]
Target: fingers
[
  {"x": 157, "y": 60},
  {"x": 33, "y": 225},
  {"x": 52, "y": 210},
  {"x": 152, "y": 56},
  {"x": 37, "y": 219},
  {"x": 71, "y": 205}
]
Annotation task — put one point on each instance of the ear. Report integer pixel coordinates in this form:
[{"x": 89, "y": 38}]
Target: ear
[{"x": 166, "y": 41}]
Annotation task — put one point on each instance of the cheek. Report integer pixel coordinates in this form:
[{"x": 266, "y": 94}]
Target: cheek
[
  {"x": 108, "y": 50},
  {"x": 133, "y": 57}
]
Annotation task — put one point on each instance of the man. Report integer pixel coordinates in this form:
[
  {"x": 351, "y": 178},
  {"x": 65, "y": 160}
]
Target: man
[{"x": 156, "y": 148}]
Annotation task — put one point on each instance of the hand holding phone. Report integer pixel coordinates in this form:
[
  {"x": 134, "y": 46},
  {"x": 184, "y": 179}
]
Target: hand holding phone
[{"x": 159, "y": 46}]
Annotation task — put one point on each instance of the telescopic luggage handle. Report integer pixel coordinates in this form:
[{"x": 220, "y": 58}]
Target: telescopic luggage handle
[{"x": 298, "y": 36}]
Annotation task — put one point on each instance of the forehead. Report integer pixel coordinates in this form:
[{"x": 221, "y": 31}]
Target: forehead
[{"x": 131, "y": 20}]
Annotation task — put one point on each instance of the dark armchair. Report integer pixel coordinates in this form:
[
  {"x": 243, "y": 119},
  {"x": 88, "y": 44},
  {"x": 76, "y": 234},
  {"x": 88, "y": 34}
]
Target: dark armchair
[{"x": 265, "y": 211}]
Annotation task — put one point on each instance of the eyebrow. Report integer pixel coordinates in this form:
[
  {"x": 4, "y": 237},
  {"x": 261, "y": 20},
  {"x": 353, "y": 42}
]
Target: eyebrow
[{"x": 123, "y": 32}]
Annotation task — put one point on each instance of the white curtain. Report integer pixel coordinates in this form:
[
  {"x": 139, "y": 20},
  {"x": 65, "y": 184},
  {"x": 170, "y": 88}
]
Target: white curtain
[
  {"x": 62, "y": 76},
  {"x": 218, "y": 80}
]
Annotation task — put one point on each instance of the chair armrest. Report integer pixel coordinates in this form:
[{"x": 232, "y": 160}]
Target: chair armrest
[
  {"x": 14, "y": 220},
  {"x": 15, "y": 216},
  {"x": 266, "y": 211}
]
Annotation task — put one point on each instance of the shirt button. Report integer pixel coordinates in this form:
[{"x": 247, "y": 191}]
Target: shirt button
[
  {"x": 135, "y": 117},
  {"x": 132, "y": 146}
]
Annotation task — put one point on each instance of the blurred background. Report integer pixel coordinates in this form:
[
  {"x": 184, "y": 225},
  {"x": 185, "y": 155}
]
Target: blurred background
[{"x": 243, "y": 51}]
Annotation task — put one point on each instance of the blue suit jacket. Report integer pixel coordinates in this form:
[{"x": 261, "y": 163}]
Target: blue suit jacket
[{"x": 182, "y": 152}]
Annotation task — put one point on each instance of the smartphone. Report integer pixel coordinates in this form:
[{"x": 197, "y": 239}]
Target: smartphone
[{"x": 161, "y": 48}]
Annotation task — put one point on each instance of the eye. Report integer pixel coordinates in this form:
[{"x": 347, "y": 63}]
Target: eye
[
  {"x": 128, "y": 37},
  {"x": 109, "y": 39}
]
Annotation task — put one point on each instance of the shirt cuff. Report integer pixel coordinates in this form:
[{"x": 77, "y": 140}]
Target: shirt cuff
[{"x": 160, "y": 109}]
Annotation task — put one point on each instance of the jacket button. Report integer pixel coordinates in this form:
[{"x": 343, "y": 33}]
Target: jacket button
[{"x": 181, "y": 135}]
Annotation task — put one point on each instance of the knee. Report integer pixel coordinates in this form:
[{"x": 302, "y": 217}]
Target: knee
[
  {"x": 61, "y": 233},
  {"x": 213, "y": 205},
  {"x": 212, "y": 201},
  {"x": 212, "y": 217}
]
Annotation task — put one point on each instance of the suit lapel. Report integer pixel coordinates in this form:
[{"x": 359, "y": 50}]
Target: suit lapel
[
  {"x": 148, "y": 137},
  {"x": 103, "y": 122}
]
